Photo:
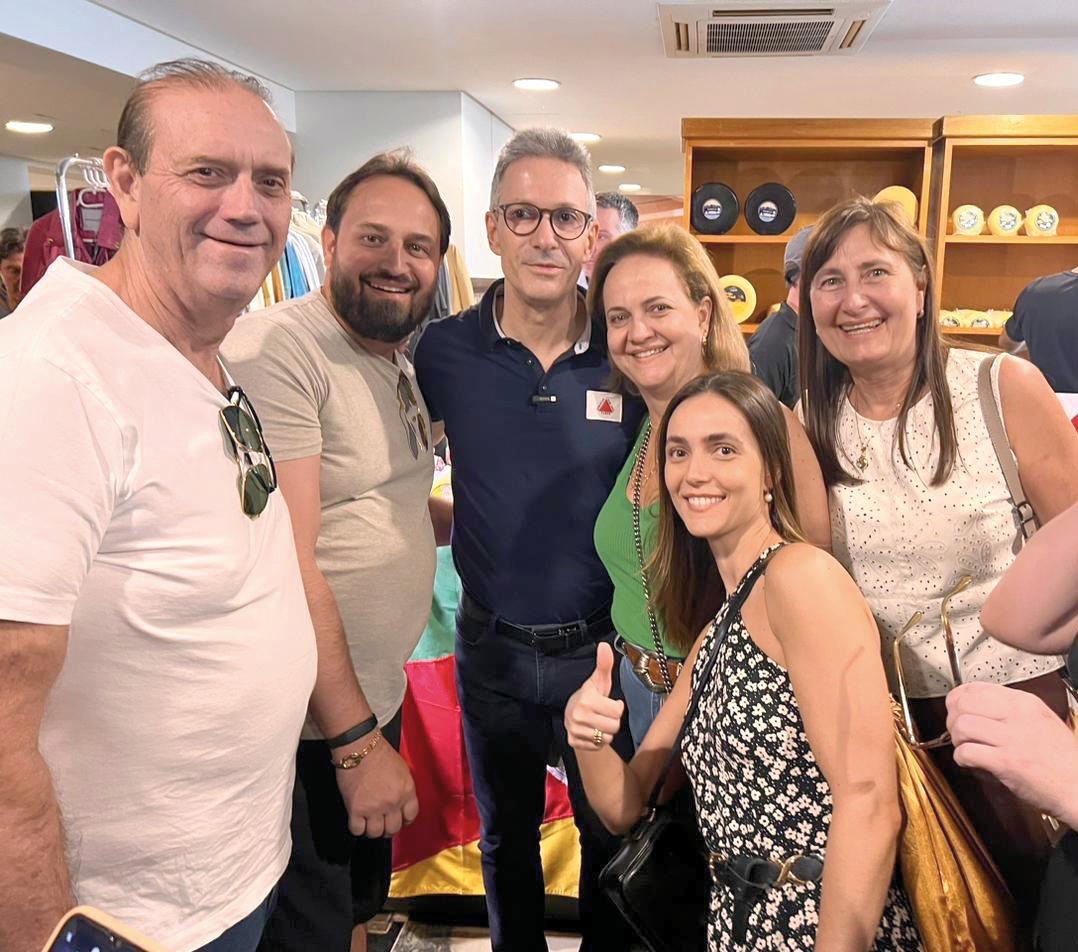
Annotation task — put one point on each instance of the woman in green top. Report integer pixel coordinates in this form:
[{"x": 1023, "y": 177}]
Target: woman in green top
[{"x": 667, "y": 322}]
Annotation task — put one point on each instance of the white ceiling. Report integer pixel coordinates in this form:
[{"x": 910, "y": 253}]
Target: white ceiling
[
  {"x": 615, "y": 79},
  {"x": 83, "y": 101}
]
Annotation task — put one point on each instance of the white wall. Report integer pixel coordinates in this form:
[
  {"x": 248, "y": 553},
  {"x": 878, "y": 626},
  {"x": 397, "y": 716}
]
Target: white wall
[
  {"x": 451, "y": 135},
  {"x": 338, "y": 131},
  {"x": 82, "y": 29},
  {"x": 14, "y": 193},
  {"x": 484, "y": 134}
]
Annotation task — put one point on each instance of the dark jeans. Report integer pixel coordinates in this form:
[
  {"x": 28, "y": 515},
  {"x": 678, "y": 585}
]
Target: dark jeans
[
  {"x": 513, "y": 698},
  {"x": 334, "y": 880},
  {"x": 244, "y": 935}
]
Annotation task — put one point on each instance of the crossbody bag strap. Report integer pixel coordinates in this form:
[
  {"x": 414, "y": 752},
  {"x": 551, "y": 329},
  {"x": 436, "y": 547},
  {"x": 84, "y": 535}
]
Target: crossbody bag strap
[
  {"x": 1025, "y": 517},
  {"x": 733, "y": 607},
  {"x": 638, "y": 541}
]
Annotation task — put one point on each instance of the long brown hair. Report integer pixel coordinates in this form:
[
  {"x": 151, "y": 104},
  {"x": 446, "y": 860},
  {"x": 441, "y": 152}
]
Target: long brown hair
[
  {"x": 723, "y": 346},
  {"x": 688, "y": 590},
  {"x": 825, "y": 380}
]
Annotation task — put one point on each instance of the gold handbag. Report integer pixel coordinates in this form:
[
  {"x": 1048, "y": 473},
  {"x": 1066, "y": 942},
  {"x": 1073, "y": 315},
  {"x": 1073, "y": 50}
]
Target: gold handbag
[{"x": 960, "y": 902}]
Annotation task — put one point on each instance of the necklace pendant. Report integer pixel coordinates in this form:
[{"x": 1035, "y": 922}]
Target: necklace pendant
[{"x": 862, "y": 460}]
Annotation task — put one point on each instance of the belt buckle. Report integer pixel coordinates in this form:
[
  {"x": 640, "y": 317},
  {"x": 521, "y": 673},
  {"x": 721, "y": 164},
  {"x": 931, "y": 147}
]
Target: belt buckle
[
  {"x": 787, "y": 874},
  {"x": 546, "y": 633},
  {"x": 642, "y": 669}
]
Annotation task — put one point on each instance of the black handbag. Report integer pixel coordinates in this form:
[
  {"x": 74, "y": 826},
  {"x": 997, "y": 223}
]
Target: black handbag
[{"x": 660, "y": 877}]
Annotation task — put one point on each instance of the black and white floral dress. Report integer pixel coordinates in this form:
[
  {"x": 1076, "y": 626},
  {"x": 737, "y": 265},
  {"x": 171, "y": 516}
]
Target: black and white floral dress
[{"x": 759, "y": 792}]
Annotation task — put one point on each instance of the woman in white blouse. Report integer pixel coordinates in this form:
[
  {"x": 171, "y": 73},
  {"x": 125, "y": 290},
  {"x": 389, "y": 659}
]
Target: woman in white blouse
[{"x": 919, "y": 505}]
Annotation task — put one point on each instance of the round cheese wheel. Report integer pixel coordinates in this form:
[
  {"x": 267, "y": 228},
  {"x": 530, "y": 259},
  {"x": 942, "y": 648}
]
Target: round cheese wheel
[
  {"x": 1041, "y": 221},
  {"x": 1004, "y": 221},
  {"x": 741, "y": 295},
  {"x": 967, "y": 220},
  {"x": 902, "y": 197}
]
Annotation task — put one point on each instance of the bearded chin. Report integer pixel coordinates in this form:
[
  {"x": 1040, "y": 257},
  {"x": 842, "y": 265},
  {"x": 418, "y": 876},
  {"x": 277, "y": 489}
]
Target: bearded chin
[{"x": 387, "y": 321}]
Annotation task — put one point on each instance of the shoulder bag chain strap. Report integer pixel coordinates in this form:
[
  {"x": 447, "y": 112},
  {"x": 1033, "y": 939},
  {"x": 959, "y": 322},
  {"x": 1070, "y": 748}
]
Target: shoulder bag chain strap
[{"x": 638, "y": 480}]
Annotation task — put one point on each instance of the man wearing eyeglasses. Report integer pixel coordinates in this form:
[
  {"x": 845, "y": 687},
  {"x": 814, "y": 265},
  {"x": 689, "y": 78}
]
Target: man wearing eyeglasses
[
  {"x": 157, "y": 655},
  {"x": 519, "y": 383},
  {"x": 352, "y": 441}
]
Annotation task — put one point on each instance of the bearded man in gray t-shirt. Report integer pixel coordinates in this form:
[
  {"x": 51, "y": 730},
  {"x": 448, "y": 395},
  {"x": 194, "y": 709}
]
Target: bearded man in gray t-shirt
[{"x": 353, "y": 444}]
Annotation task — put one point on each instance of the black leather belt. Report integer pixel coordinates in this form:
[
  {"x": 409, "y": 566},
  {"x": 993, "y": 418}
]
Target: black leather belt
[
  {"x": 749, "y": 877},
  {"x": 547, "y": 639}
]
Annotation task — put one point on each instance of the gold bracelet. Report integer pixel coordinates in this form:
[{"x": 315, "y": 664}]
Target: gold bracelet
[{"x": 356, "y": 758}]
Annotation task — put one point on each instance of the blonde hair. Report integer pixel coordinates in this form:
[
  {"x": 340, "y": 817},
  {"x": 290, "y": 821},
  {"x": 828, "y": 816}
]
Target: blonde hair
[{"x": 723, "y": 346}]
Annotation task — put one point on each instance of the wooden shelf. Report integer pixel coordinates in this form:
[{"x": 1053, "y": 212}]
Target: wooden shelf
[
  {"x": 821, "y": 162},
  {"x": 1003, "y": 127},
  {"x": 750, "y": 328},
  {"x": 791, "y": 130},
  {"x": 992, "y": 332},
  {"x": 994, "y": 160},
  {"x": 1011, "y": 240},
  {"x": 730, "y": 239}
]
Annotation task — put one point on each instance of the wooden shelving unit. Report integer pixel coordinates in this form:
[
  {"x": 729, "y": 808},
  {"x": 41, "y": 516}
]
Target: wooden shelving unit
[
  {"x": 1001, "y": 160},
  {"x": 821, "y": 161}
]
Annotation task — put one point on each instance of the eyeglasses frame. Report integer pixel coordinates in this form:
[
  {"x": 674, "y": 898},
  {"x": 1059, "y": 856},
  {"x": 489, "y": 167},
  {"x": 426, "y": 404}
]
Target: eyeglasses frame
[{"x": 549, "y": 213}]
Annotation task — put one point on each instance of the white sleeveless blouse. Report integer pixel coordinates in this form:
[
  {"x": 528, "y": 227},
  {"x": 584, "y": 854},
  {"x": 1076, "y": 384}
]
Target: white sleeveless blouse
[{"x": 907, "y": 543}]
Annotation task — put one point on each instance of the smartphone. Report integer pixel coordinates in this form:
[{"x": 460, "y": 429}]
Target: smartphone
[{"x": 86, "y": 929}]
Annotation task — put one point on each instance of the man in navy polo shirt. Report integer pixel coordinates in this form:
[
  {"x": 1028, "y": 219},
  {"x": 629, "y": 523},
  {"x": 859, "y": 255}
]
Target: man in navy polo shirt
[{"x": 519, "y": 382}]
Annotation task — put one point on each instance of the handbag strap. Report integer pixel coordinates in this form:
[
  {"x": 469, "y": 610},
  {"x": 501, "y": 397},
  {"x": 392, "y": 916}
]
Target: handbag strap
[
  {"x": 638, "y": 539},
  {"x": 1024, "y": 516},
  {"x": 732, "y": 608}
]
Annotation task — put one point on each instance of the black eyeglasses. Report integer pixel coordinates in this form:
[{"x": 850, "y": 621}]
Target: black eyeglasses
[
  {"x": 258, "y": 478},
  {"x": 524, "y": 219},
  {"x": 409, "y": 411}
]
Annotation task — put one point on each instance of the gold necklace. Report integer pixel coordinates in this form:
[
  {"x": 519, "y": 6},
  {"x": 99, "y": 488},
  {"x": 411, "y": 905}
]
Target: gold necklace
[{"x": 862, "y": 459}]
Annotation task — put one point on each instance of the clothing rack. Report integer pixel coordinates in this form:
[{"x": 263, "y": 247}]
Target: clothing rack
[{"x": 93, "y": 174}]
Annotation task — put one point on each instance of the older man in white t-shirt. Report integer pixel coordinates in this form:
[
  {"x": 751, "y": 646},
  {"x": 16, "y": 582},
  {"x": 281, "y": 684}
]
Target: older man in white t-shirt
[{"x": 157, "y": 653}]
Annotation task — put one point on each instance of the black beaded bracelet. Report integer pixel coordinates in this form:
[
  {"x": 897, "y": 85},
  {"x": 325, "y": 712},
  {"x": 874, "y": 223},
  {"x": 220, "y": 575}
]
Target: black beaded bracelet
[{"x": 353, "y": 734}]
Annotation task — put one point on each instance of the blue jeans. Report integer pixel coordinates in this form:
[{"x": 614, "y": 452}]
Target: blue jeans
[
  {"x": 642, "y": 705},
  {"x": 245, "y": 934},
  {"x": 513, "y": 700}
]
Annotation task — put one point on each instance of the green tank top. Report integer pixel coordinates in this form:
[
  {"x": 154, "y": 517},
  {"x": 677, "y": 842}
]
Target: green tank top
[{"x": 616, "y": 547}]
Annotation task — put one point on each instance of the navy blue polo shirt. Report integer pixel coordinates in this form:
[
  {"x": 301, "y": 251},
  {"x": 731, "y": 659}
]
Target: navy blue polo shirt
[{"x": 535, "y": 455}]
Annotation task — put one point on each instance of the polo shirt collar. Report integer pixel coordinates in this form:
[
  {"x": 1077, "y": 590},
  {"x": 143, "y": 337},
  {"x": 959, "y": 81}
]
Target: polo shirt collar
[{"x": 494, "y": 332}]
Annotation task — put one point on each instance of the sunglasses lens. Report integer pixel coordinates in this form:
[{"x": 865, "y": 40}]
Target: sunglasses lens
[
  {"x": 243, "y": 428},
  {"x": 256, "y": 489}
]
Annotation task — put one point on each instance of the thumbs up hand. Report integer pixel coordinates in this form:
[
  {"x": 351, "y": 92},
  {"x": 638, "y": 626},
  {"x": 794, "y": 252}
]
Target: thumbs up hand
[{"x": 592, "y": 718}]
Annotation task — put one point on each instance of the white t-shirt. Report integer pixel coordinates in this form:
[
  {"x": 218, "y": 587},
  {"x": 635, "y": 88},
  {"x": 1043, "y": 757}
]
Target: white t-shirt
[{"x": 172, "y": 728}]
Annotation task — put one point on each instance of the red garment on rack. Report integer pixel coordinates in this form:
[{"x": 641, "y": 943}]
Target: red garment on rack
[{"x": 45, "y": 241}]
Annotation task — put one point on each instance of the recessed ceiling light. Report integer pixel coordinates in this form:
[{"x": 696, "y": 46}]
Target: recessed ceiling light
[
  {"x": 629, "y": 187},
  {"x": 28, "y": 128},
  {"x": 585, "y": 136},
  {"x": 612, "y": 169},
  {"x": 536, "y": 84},
  {"x": 999, "y": 79}
]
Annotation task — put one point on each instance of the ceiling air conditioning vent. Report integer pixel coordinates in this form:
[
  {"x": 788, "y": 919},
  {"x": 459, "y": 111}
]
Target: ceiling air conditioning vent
[{"x": 778, "y": 28}]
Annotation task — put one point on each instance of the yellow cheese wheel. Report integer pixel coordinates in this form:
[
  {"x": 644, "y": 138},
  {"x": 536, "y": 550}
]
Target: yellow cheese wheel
[
  {"x": 741, "y": 295},
  {"x": 1004, "y": 221},
  {"x": 902, "y": 197},
  {"x": 1041, "y": 221},
  {"x": 967, "y": 220}
]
